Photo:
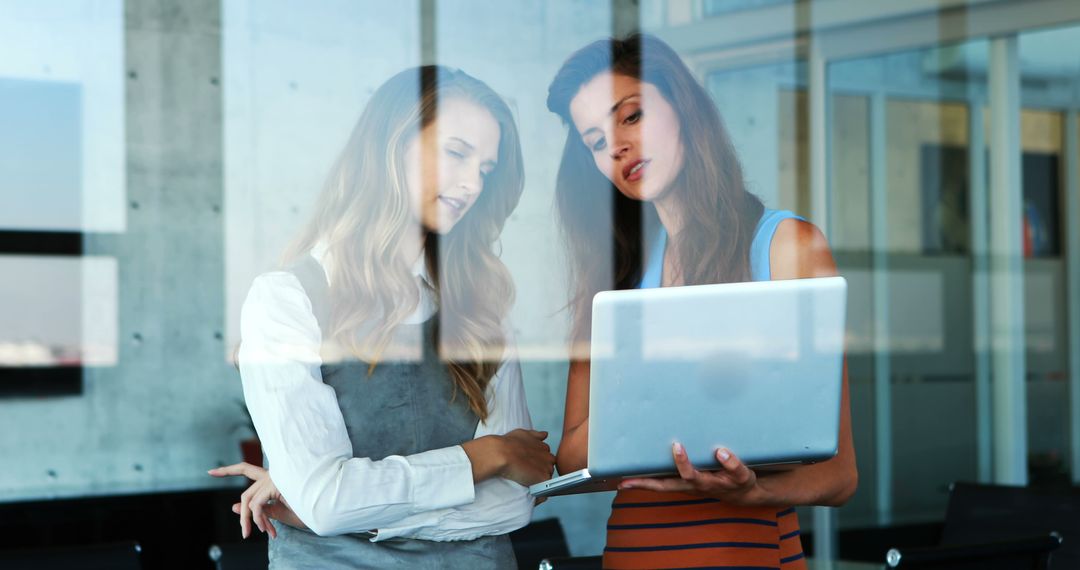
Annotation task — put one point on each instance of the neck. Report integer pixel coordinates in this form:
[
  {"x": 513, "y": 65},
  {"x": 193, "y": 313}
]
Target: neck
[
  {"x": 670, "y": 215},
  {"x": 412, "y": 245}
]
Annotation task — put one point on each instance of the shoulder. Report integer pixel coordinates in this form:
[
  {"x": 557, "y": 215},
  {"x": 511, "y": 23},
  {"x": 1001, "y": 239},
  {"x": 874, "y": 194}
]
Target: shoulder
[
  {"x": 799, "y": 250},
  {"x": 288, "y": 287},
  {"x": 275, "y": 287},
  {"x": 276, "y": 298}
]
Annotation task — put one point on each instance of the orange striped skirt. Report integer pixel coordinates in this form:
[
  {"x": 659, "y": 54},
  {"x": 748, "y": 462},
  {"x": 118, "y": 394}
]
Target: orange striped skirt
[{"x": 673, "y": 530}]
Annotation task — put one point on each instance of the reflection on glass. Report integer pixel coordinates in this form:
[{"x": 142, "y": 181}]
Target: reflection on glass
[
  {"x": 1049, "y": 80},
  {"x": 764, "y": 123},
  {"x": 928, "y": 101},
  {"x": 58, "y": 311},
  {"x": 289, "y": 107},
  {"x": 916, "y": 314},
  {"x": 41, "y": 155},
  {"x": 721, "y": 7},
  {"x": 899, "y": 138},
  {"x": 62, "y": 149}
]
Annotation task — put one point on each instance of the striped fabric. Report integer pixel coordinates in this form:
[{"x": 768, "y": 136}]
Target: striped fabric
[{"x": 673, "y": 530}]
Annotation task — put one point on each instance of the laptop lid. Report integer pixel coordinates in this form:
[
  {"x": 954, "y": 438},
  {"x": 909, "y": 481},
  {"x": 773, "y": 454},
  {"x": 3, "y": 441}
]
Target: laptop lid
[{"x": 754, "y": 367}]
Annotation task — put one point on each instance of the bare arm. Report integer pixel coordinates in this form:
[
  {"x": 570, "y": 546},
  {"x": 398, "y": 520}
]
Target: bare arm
[
  {"x": 521, "y": 456},
  {"x": 574, "y": 448},
  {"x": 799, "y": 250}
]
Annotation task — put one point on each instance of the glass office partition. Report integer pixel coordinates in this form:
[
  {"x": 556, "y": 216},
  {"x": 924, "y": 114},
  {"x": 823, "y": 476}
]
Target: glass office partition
[
  {"x": 914, "y": 217},
  {"x": 1050, "y": 82},
  {"x": 901, "y": 186}
]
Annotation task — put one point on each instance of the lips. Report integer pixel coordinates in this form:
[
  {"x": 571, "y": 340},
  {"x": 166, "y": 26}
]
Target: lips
[
  {"x": 634, "y": 169},
  {"x": 456, "y": 205}
]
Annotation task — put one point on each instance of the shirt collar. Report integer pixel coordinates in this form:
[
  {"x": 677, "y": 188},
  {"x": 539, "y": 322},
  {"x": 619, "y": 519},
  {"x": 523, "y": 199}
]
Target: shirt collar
[{"x": 419, "y": 268}]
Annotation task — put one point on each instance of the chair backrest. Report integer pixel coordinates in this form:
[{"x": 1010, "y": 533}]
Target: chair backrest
[
  {"x": 980, "y": 513},
  {"x": 112, "y": 556},
  {"x": 250, "y": 555}
]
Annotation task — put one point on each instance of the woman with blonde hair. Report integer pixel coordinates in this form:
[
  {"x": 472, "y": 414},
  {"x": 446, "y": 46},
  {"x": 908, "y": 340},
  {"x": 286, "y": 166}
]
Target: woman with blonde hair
[
  {"x": 649, "y": 172},
  {"x": 377, "y": 363}
]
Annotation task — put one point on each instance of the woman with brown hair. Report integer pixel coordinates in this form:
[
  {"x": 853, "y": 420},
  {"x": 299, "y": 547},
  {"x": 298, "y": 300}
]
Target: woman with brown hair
[
  {"x": 648, "y": 167},
  {"x": 377, "y": 365}
]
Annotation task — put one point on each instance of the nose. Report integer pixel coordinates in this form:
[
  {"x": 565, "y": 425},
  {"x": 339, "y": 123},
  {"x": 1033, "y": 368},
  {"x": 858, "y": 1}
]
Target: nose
[
  {"x": 468, "y": 190},
  {"x": 471, "y": 181},
  {"x": 619, "y": 148}
]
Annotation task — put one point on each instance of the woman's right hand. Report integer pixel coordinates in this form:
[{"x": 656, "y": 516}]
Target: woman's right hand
[
  {"x": 260, "y": 502},
  {"x": 528, "y": 459},
  {"x": 520, "y": 456}
]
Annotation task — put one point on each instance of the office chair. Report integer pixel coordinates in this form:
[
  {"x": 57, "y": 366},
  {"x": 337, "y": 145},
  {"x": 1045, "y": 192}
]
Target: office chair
[{"x": 1002, "y": 527}]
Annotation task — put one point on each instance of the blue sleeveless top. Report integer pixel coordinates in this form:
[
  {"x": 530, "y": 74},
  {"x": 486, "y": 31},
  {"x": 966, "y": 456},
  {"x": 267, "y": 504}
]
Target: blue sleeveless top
[{"x": 759, "y": 249}]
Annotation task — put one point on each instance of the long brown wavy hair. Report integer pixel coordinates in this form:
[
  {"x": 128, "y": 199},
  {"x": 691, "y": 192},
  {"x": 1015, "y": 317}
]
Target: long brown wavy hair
[
  {"x": 719, "y": 214},
  {"x": 362, "y": 217}
]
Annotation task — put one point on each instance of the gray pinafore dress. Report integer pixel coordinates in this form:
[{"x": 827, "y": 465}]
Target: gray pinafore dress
[{"x": 401, "y": 409}]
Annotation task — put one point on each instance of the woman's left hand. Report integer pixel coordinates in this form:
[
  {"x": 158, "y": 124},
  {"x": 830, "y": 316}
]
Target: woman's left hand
[
  {"x": 736, "y": 483},
  {"x": 260, "y": 502}
]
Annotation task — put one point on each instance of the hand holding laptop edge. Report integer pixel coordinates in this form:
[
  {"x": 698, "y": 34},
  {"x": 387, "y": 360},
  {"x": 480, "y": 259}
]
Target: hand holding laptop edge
[{"x": 735, "y": 483}]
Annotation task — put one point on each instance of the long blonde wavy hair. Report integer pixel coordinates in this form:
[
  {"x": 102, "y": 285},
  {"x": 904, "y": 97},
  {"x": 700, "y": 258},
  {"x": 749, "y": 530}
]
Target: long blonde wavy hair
[{"x": 364, "y": 212}]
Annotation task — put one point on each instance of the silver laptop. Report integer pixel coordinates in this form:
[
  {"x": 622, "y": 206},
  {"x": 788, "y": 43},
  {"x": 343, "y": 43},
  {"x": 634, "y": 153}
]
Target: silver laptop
[{"x": 753, "y": 367}]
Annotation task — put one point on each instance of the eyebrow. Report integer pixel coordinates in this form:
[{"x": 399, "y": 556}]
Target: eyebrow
[
  {"x": 463, "y": 141},
  {"x": 614, "y": 108}
]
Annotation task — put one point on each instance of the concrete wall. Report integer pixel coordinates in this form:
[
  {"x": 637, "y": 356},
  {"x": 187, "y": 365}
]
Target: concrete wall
[{"x": 165, "y": 411}]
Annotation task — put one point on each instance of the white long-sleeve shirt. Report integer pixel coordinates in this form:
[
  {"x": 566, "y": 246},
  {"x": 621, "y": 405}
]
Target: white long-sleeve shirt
[{"x": 428, "y": 495}]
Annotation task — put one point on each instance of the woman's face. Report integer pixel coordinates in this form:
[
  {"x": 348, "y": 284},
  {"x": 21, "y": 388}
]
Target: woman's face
[
  {"x": 446, "y": 164},
  {"x": 632, "y": 132}
]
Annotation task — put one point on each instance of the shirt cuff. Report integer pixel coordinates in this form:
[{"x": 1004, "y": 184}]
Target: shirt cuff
[{"x": 444, "y": 479}]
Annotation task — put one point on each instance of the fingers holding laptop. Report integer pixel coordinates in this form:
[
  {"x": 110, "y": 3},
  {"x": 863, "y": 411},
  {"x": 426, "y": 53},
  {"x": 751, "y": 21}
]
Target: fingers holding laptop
[
  {"x": 528, "y": 460},
  {"x": 735, "y": 483}
]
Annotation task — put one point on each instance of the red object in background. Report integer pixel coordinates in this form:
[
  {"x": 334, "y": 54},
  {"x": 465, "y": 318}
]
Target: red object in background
[
  {"x": 1029, "y": 243},
  {"x": 251, "y": 450}
]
